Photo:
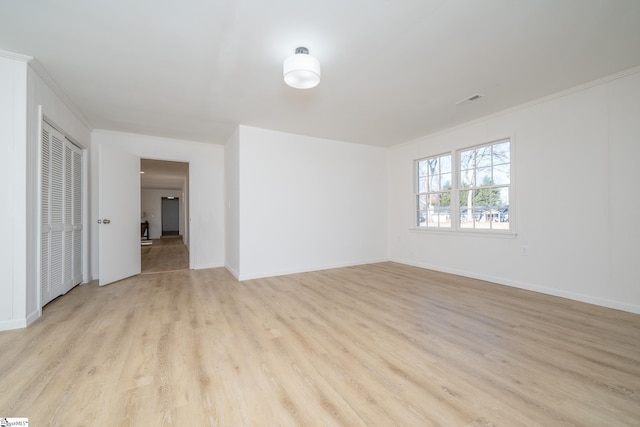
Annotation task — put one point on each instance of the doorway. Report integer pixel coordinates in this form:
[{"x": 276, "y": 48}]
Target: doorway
[
  {"x": 170, "y": 216},
  {"x": 164, "y": 213}
]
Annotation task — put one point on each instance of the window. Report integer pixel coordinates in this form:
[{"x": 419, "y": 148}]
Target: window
[
  {"x": 433, "y": 198},
  {"x": 484, "y": 186},
  {"x": 470, "y": 194}
]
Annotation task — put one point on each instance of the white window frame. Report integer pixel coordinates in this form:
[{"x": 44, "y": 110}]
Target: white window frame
[
  {"x": 418, "y": 193},
  {"x": 455, "y": 208}
]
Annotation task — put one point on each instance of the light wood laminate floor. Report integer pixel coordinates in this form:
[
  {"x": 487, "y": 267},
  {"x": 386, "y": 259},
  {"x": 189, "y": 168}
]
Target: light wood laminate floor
[
  {"x": 381, "y": 345},
  {"x": 167, "y": 254}
]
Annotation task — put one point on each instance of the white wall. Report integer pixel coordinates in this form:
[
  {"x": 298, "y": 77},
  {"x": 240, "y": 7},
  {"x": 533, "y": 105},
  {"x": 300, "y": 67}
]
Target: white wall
[
  {"x": 13, "y": 136},
  {"x": 232, "y": 203},
  {"x": 55, "y": 108},
  {"x": 623, "y": 200},
  {"x": 206, "y": 190},
  {"x": 575, "y": 169},
  {"x": 24, "y": 96},
  {"x": 308, "y": 203},
  {"x": 151, "y": 209}
]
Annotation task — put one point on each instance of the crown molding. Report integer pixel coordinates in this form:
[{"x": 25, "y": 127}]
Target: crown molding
[
  {"x": 15, "y": 56},
  {"x": 525, "y": 105},
  {"x": 55, "y": 87}
]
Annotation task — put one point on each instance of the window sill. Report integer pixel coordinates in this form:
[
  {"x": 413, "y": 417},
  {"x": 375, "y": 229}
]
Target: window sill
[{"x": 495, "y": 234}]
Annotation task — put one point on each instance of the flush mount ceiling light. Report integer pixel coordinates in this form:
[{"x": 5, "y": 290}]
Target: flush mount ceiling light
[{"x": 301, "y": 70}]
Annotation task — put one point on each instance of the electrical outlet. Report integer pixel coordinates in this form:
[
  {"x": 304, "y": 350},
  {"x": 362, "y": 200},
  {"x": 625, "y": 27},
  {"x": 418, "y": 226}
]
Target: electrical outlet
[{"x": 524, "y": 250}]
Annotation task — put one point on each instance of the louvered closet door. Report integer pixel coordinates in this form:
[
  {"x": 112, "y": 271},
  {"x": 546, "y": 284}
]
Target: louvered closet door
[
  {"x": 61, "y": 213},
  {"x": 67, "y": 220},
  {"x": 45, "y": 210},
  {"x": 56, "y": 215},
  {"x": 77, "y": 215}
]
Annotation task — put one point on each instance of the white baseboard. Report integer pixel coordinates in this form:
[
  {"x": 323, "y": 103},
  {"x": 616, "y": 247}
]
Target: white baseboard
[
  {"x": 603, "y": 302},
  {"x": 21, "y": 323},
  {"x": 233, "y": 272},
  {"x": 262, "y": 275},
  {"x": 7, "y": 325},
  {"x": 205, "y": 266},
  {"x": 35, "y": 315}
]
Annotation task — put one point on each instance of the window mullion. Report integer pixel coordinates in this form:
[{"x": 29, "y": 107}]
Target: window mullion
[{"x": 455, "y": 193}]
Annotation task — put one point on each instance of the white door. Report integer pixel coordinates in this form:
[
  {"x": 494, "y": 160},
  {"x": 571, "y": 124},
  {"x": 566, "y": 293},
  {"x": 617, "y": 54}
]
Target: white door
[{"x": 119, "y": 214}]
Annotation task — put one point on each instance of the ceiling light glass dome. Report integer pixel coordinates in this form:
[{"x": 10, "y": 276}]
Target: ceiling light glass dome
[{"x": 301, "y": 70}]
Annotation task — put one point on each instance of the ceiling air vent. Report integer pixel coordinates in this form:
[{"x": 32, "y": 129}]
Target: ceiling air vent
[{"x": 473, "y": 97}]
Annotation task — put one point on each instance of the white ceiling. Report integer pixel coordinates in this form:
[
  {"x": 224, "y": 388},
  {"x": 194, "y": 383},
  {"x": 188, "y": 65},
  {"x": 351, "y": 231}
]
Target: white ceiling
[{"x": 392, "y": 71}]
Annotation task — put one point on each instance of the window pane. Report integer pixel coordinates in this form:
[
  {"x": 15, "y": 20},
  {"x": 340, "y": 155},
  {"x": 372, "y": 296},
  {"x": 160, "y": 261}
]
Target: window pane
[
  {"x": 466, "y": 218},
  {"x": 421, "y": 204},
  {"x": 445, "y": 164},
  {"x": 483, "y": 157},
  {"x": 422, "y": 185},
  {"x": 444, "y": 211},
  {"x": 445, "y": 181},
  {"x": 439, "y": 218},
  {"x": 423, "y": 167},
  {"x": 502, "y": 207},
  {"x": 467, "y": 178},
  {"x": 483, "y": 197},
  {"x": 502, "y": 196},
  {"x": 482, "y": 217},
  {"x": 466, "y": 209},
  {"x": 422, "y": 218},
  {"x": 434, "y": 183},
  {"x": 501, "y": 174},
  {"x": 483, "y": 177},
  {"x": 466, "y": 198},
  {"x": 466, "y": 159},
  {"x": 435, "y": 165},
  {"x": 438, "y": 210},
  {"x": 501, "y": 153}
]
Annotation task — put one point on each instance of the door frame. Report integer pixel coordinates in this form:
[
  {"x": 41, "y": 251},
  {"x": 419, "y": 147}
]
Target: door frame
[{"x": 185, "y": 201}]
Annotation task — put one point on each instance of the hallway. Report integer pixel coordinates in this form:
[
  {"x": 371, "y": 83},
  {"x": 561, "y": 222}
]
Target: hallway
[{"x": 167, "y": 254}]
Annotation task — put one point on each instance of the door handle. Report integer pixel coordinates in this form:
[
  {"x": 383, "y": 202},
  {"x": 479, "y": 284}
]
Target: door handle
[{"x": 104, "y": 221}]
